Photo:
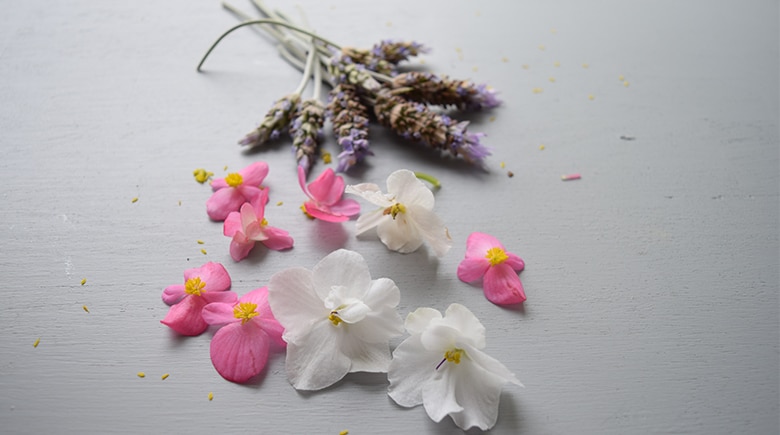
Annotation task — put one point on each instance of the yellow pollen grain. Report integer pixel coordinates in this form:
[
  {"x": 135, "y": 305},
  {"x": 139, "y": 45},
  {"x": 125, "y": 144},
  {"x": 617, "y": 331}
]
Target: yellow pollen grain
[
  {"x": 84, "y": 307},
  {"x": 541, "y": 147},
  {"x": 505, "y": 59},
  {"x": 551, "y": 79},
  {"x": 165, "y": 376},
  {"x": 492, "y": 119},
  {"x": 344, "y": 432},
  {"x": 326, "y": 157},
  {"x": 625, "y": 83},
  {"x": 203, "y": 251},
  {"x": 201, "y": 175},
  {"x": 496, "y": 256},
  {"x": 225, "y": 168},
  {"x": 585, "y": 65},
  {"x": 279, "y": 203},
  {"x": 525, "y": 66},
  {"x": 591, "y": 97},
  {"x": 211, "y": 396},
  {"x": 621, "y": 78},
  {"x": 553, "y": 30},
  {"x": 542, "y": 47},
  {"x": 37, "y": 342},
  {"x": 422, "y": 61},
  {"x": 537, "y": 90},
  {"x": 134, "y": 200},
  {"x": 557, "y": 64},
  {"x": 179, "y": 203},
  {"x": 503, "y": 165},
  {"x": 83, "y": 281},
  {"x": 389, "y": 24},
  {"x": 141, "y": 374},
  {"x": 475, "y": 69}
]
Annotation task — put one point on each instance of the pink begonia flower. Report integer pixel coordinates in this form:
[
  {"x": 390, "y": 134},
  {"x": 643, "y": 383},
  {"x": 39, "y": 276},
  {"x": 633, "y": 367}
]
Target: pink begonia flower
[
  {"x": 202, "y": 285},
  {"x": 487, "y": 258},
  {"x": 235, "y": 189},
  {"x": 325, "y": 202},
  {"x": 249, "y": 226},
  {"x": 239, "y": 350}
]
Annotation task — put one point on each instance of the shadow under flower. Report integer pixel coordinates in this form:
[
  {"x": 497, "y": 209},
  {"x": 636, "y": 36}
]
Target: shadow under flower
[{"x": 327, "y": 236}]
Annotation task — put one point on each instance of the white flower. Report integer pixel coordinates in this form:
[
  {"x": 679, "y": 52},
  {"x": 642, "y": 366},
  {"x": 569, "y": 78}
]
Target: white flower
[
  {"x": 405, "y": 215},
  {"x": 336, "y": 319},
  {"x": 441, "y": 366}
]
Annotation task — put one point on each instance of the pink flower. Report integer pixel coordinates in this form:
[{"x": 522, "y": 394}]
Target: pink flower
[
  {"x": 325, "y": 202},
  {"x": 202, "y": 285},
  {"x": 249, "y": 226},
  {"x": 239, "y": 350},
  {"x": 235, "y": 189},
  {"x": 487, "y": 258}
]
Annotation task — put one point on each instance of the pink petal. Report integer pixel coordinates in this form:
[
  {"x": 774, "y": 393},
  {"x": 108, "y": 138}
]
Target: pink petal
[
  {"x": 219, "y": 313},
  {"x": 185, "y": 317},
  {"x": 327, "y": 188},
  {"x": 232, "y": 224},
  {"x": 346, "y": 207},
  {"x": 502, "y": 286},
  {"x": 218, "y": 183},
  {"x": 515, "y": 262},
  {"x": 240, "y": 247},
  {"x": 222, "y": 297},
  {"x": 254, "y": 174},
  {"x": 472, "y": 268},
  {"x": 239, "y": 351},
  {"x": 213, "y": 274},
  {"x": 278, "y": 239},
  {"x": 266, "y": 317},
  {"x": 173, "y": 294},
  {"x": 222, "y": 202},
  {"x": 248, "y": 215},
  {"x": 253, "y": 194},
  {"x": 302, "y": 181},
  {"x": 478, "y": 244}
]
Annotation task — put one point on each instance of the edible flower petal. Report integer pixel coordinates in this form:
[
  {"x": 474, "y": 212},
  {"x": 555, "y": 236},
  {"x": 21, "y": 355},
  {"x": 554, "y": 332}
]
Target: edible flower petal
[
  {"x": 487, "y": 258},
  {"x": 249, "y": 225},
  {"x": 236, "y": 189},
  {"x": 325, "y": 197}
]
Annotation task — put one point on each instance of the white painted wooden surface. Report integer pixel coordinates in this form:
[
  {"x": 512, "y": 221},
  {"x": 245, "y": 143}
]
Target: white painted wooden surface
[{"x": 652, "y": 282}]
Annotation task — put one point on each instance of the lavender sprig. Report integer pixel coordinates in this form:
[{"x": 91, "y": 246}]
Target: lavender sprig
[
  {"x": 275, "y": 121},
  {"x": 306, "y": 130},
  {"x": 349, "y": 117},
  {"x": 417, "y": 122},
  {"x": 441, "y": 90},
  {"x": 397, "y": 51}
]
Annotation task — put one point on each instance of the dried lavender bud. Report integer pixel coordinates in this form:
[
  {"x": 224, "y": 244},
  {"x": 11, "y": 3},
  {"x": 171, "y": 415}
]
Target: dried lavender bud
[
  {"x": 432, "y": 89},
  {"x": 344, "y": 70},
  {"x": 416, "y": 121},
  {"x": 275, "y": 121},
  {"x": 305, "y": 130},
  {"x": 397, "y": 51},
  {"x": 369, "y": 61},
  {"x": 350, "y": 125}
]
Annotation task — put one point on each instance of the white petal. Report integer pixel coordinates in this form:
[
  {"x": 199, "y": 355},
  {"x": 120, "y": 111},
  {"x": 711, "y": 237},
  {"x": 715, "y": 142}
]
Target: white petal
[
  {"x": 431, "y": 228},
  {"x": 400, "y": 234},
  {"x": 294, "y": 303},
  {"x": 371, "y": 193},
  {"x": 460, "y": 318},
  {"x": 439, "y": 393},
  {"x": 412, "y": 367},
  {"x": 354, "y": 312},
  {"x": 409, "y": 190},
  {"x": 382, "y": 293},
  {"x": 364, "y": 357},
  {"x": 316, "y": 361},
  {"x": 378, "y": 326},
  {"x": 343, "y": 270},
  {"x": 419, "y": 319},
  {"x": 370, "y": 220},
  {"x": 440, "y": 338}
]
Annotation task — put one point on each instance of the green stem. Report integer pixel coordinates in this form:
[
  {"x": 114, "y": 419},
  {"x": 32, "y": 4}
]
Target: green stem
[
  {"x": 429, "y": 178},
  {"x": 265, "y": 21}
]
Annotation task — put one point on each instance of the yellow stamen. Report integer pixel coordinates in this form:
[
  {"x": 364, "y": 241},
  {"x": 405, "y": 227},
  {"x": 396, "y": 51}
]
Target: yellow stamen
[
  {"x": 234, "y": 179},
  {"x": 37, "y": 342},
  {"x": 496, "y": 256},
  {"x": 395, "y": 209},
  {"x": 164, "y": 377},
  {"x": 84, "y": 307},
  {"x": 141, "y": 374},
  {"x": 202, "y": 175},
  {"x": 211, "y": 396},
  {"x": 134, "y": 200},
  {"x": 279, "y": 203},
  {"x": 83, "y": 281},
  {"x": 453, "y": 355},
  {"x": 245, "y": 311},
  {"x": 264, "y": 222},
  {"x": 200, "y": 242},
  {"x": 203, "y": 251},
  {"x": 326, "y": 157},
  {"x": 334, "y": 318},
  {"x": 194, "y": 286}
]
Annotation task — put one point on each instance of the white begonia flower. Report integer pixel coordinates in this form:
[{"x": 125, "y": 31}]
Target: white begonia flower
[
  {"x": 405, "y": 215},
  {"x": 336, "y": 319},
  {"x": 442, "y": 367}
]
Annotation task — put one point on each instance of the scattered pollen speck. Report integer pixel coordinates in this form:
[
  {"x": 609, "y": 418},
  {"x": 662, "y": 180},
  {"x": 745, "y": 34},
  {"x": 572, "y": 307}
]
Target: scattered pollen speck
[
  {"x": 505, "y": 59},
  {"x": 326, "y": 157},
  {"x": 203, "y": 251},
  {"x": 37, "y": 342},
  {"x": 542, "y": 47},
  {"x": 552, "y": 79},
  {"x": 541, "y": 147},
  {"x": 85, "y": 308},
  {"x": 457, "y": 49},
  {"x": 211, "y": 396},
  {"x": 591, "y": 97},
  {"x": 553, "y": 30},
  {"x": 492, "y": 119},
  {"x": 134, "y": 200},
  {"x": 225, "y": 168},
  {"x": 164, "y": 377},
  {"x": 478, "y": 13},
  {"x": 525, "y": 66},
  {"x": 201, "y": 175},
  {"x": 621, "y": 77},
  {"x": 557, "y": 64},
  {"x": 570, "y": 177},
  {"x": 625, "y": 83},
  {"x": 141, "y": 375},
  {"x": 537, "y": 90},
  {"x": 475, "y": 69},
  {"x": 83, "y": 281},
  {"x": 279, "y": 203},
  {"x": 179, "y": 203},
  {"x": 585, "y": 65},
  {"x": 344, "y": 432},
  {"x": 200, "y": 242},
  {"x": 389, "y": 24},
  {"x": 422, "y": 61},
  {"x": 503, "y": 165}
]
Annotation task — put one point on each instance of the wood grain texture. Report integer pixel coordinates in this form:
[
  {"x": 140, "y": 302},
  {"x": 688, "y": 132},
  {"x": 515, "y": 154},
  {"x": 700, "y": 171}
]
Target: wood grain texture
[{"x": 652, "y": 282}]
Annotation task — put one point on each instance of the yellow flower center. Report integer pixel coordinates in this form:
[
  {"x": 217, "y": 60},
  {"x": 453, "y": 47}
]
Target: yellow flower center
[
  {"x": 395, "y": 209},
  {"x": 264, "y": 222},
  {"x": 194, "y": 286},
  {"x": 234, "y": 179},
  {"x": 496, "y": 256},
  {"x": 453, "y": 355},
  {"x": 245, "y": 311},
  {"x": 334, "y": 318}
]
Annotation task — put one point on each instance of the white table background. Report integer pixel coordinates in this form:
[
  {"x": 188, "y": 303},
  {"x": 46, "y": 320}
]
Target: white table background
[{"x": 652, "y": 282}]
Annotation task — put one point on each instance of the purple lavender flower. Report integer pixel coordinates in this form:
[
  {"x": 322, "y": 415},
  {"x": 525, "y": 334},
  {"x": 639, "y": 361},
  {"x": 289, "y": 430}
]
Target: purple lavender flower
[
  {"x": 349, "y": 117},
  {"x": 397, "y": 51},
  {"x": 277, "y": 119},
  {"x": 432, "y": 89},
  {"x": 306, "y": 130}
]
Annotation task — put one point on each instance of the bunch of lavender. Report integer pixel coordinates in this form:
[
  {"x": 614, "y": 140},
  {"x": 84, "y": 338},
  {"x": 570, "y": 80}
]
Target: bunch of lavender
[
  {"x": 441, "y": 90},
  {"x": 384, "y": 57},
  {"x": 416, "y": 121},
  {"x": 306, "y": 130},
  {"x": 349, "y": 117}
]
